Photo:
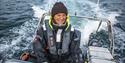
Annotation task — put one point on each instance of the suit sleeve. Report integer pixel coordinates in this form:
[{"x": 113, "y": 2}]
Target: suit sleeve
[
  {"x": 75, "y": 47},
  {"x": 39, "y": 46}
]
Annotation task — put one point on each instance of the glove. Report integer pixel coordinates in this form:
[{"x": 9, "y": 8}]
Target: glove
[
  {"x": 24, "y": 56},
  {"x": 45, "y": 62}
]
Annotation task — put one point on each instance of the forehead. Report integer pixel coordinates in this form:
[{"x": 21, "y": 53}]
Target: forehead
[{"x": 60, "y": 14}]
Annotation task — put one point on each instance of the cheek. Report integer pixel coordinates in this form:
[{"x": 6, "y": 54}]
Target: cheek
[
  {"x": 64, "y": 19},
  {"x": 56, "y": 19}
]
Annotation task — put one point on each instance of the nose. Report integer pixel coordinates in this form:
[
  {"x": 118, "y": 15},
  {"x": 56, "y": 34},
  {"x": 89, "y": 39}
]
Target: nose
[{"x": 61, "y": 17}]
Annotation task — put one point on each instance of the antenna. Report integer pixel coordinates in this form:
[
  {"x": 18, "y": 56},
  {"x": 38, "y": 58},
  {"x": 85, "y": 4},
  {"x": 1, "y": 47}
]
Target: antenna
[{"x": 97, "y": 9}]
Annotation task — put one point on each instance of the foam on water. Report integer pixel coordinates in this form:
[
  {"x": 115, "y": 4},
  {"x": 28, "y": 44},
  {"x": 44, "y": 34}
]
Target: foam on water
[{"x": 38, "y": 12}]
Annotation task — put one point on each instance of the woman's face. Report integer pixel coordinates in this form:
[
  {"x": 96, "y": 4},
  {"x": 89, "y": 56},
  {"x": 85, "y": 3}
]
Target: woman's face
[{"x": 60, "y": 18}]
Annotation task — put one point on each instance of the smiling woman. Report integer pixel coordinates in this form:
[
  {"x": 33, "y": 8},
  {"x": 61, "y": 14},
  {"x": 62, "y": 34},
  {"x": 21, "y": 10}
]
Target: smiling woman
[{"x": 57, "y": 41}]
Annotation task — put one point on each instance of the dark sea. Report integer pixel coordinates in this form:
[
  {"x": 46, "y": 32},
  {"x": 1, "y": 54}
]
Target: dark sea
[{"x": 19, "y": 20}]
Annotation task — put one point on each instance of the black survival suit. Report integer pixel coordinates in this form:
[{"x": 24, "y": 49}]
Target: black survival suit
[{"x": 48, "y": 50}]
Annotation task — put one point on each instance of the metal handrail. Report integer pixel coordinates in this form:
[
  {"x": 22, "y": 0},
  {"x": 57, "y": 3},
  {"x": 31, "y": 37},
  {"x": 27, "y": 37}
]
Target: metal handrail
[{"x": 110, "y": 32}]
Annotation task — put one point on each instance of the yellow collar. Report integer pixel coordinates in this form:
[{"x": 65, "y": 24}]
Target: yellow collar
[{"x": 67, "y": 21}]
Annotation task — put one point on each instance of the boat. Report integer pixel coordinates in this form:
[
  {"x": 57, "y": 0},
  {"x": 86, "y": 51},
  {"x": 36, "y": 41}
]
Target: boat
[{"x": 93, "y": 53}]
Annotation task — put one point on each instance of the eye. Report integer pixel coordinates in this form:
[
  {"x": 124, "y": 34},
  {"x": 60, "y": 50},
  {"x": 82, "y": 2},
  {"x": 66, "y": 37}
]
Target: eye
[
  {"x": 64, "y": 15},
  {"x": 58, "y": 15}
]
